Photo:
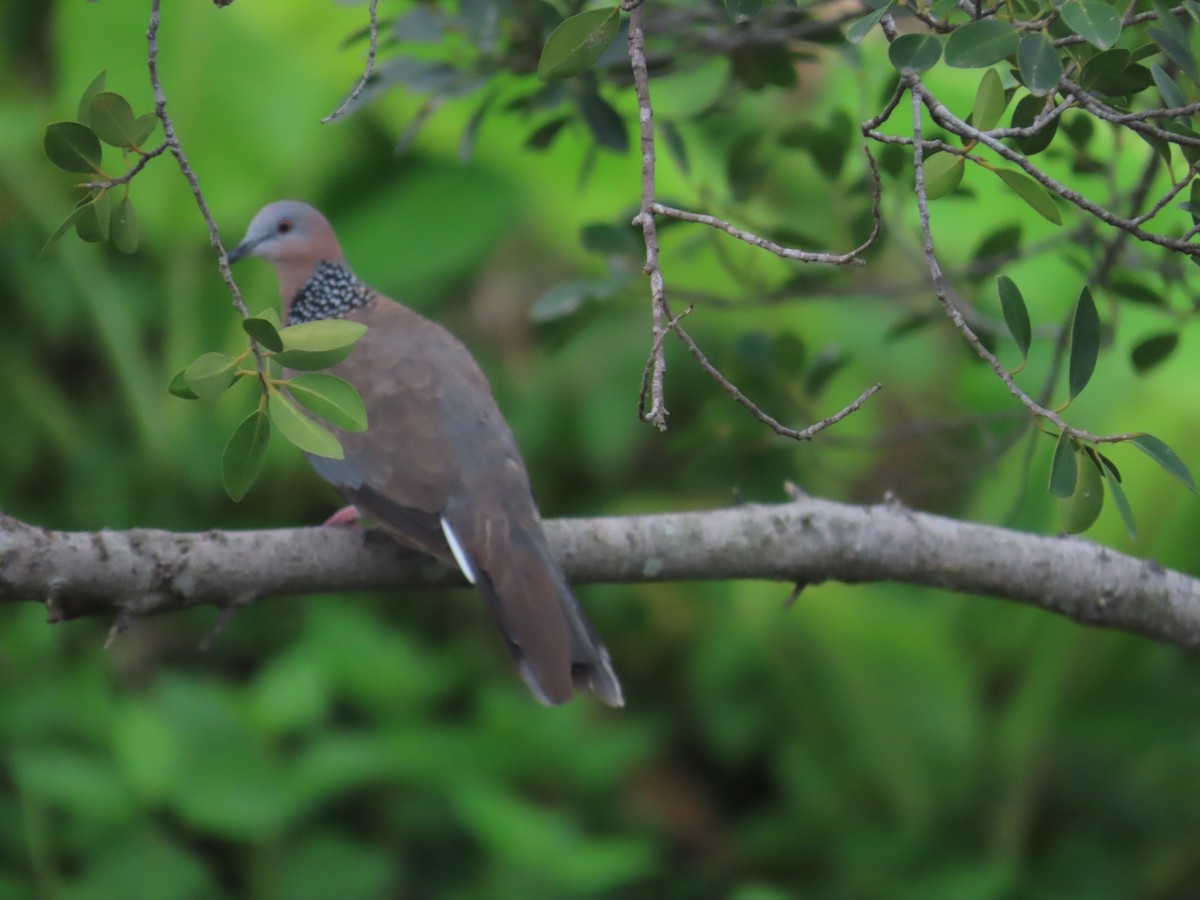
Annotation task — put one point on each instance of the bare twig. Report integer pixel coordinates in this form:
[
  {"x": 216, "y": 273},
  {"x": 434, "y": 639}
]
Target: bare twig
[
  {"x": 368, "y": 70},
  {"x": 143, "y": 159},
  {"x": 659, "y": 310}
]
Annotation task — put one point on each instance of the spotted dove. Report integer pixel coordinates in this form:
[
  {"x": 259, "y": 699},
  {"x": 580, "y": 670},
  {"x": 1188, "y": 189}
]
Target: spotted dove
[{"x": 438, "y": 467}]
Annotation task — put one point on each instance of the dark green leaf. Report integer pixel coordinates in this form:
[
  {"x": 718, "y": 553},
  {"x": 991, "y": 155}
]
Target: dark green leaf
[
  {"x": 676, "y": 146},
  {"x": 85, "y": 102},
  {"x": 1085, "y": 343},
  {"x": 1153, "y": 351},
  {"x": 466, "y": 144},
  {"x": 92, "y": 224},
  {"x": 764, "y": 65},
  {"x": 1094, "y": 21},
  {"x": 144, "y": 127},
  {"x": 861, "y": 28},
  {"x": 1167, "y": 21},
  {"x": 828, "y": 363},
  {"x": 943, "y": 173},
  {"x": 605, "y": 123},
  {"x": 1171, "y": 94},
  {"x": 1031, "y": 192},
  {"x": 1136, "y": 292},
  {"x": 543, "y": 136},
  {"x": 112, "y": 119},
  {"x": 1177, "y": 51},
  {"x": 990, "y": 101},
  {"x": 742, "y": 11},
  {"x": 1194, "y": 201},
  {"x": 124, "y": 227},
  {"x": 1166, "y": 457},
  {"x": 333, "y": 399},
  {"x": 318, "y": 345},
  {"x": 264, "y": 332},
  {"x": 1063, "y": 467},
  {"x": 1039, "y": 63},
  {"x": 210, "y": 375},
  {"x": 1119, "y": 498},
  {"x": 980, "y": 43},
  {"x": 300, "y": 430},
  {"x": 1079, "y": 512},
  {"x": 914, "y": 53},
  {"x": 1016, "y": 315},
  {"x": 1104, "y": 70},
  {"x": 244, "y": 454},
  {"x": 72, "y": 147},
  {"x": 272, "y": 316},
  {"x": 179, "y": 387},
  {"x": 567, "y": 297},
  {"x": 609, "y": 240},
  {"x": 578, "y": 42},
  {"x": 65, "y": 226},
  {"x": 1025, "y": 113}
]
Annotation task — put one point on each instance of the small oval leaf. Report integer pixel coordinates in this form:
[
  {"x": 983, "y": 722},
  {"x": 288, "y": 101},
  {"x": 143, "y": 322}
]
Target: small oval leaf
[
  {"x": 1016, "y": 314},
  {"x": 318, "y": 345},
  {"x": 943, "y": 173},
  {"x": 73, "y": 147},
  {"x": 576, "y": 44},
  {"x": 1094, "y": 21},
  {"x": 980, "y": 43},
  {"x": 300, "y": 430},
  {"x": 1158, "y": 451},
  {"x": 244, "y": 454},
  {"x": 912, "y": 54},
  {"x": 92, "y": 224},
  {"x": 862, "y": 27},
  {"x": 125, "y": 235},
  {"x": 179, "y": 387},
  {"x": 1039, "y": 64},
  {"x": 111, "y": 117},
  {"x": 1081, "y": 510},
  {"x": 85, "y": 102},
  {"x": 1119, "y": 499},
  {"x": 263, "y": 332},
  {"x": 1063, "y": 468},
  {"x": 989, "y": 102},
  {"x": 333, "y": 399},
  {"x": 1031, "y": 192},
  {"x": 1085, "y": 343},
  {"x": 1153, "y": 351},
  {"x": 210, "y": 375}
]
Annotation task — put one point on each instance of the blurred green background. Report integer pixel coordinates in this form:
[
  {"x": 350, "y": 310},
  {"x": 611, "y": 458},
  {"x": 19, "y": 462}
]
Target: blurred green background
[{"x": 871, "y": 741}]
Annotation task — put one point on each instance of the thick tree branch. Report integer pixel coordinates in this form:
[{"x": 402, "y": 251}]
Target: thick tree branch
[{"x": 133, "y": 573}]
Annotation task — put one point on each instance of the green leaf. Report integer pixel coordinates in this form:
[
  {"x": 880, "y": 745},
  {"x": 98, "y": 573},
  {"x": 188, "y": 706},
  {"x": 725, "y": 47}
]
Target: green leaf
[
  {"x": 1119, "y": 499},
  {"x": 861, "y": 28},
  {"x": 210, "y": 375},
  {"x": 1079, "y": 512},
  {"x": 125, "y": 227},
  {"x": 742, "y": 11},
  {"x": 85, "y": 102},
  {"x": 300, "y": 430},
  {"x": 1153, "y": 351},
  {"x": 576, "y": 44},
  {"x": 72, "y": 147},
  {"x": 145, "y": 126},
  {"x": 1085, "y": 343},
  {"x": 271, "y": 315},
  {"x": 66, "y": 225},
  {"x": 244, "y": 454},
  {"x": 943, "y": 173},
  {"x": 1094, "y": 21},
  {"x": 1063, "y": 467},
  {"x": 1039, "y": 64},
  {"x": 980, "y": 43},
  {"x": 1032, "y": 193},
  {"x": 1016, "y": 315},
  {"x": 318, "y": 345},
  {"x": 1166, "y": 457},
  {"x": 179, "y": 387},
  {"x": 1025, "y": 113},
  {"x": 333, "y": 399},
  {"x": 604, "y": 122},
  {"x": 92, "y": 224},
  {"x": 111, "y": 117},
  {"x": 1178, "y": 52},
  {"x": 989, "y": 102},
  {"x": 1171, "y": 94},
  {"x": 264, "y": 332},
  {"x": 912, "y": 54},
  {"x": 1104, "y": 69}
]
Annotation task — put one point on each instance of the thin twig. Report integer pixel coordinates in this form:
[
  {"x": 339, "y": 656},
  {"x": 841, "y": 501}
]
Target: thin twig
[
  {"x": 941, "y": 288},
  {"x": 659, "y": 310},
  {"x": 655, "y": 350},
  {"x": 143, "y": 159},
  {"x": 368, "y": 70}
]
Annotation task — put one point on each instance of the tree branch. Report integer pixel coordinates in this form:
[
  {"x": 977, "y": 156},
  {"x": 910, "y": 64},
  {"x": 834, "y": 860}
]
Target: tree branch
[{"x": 128, "y": 574}]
